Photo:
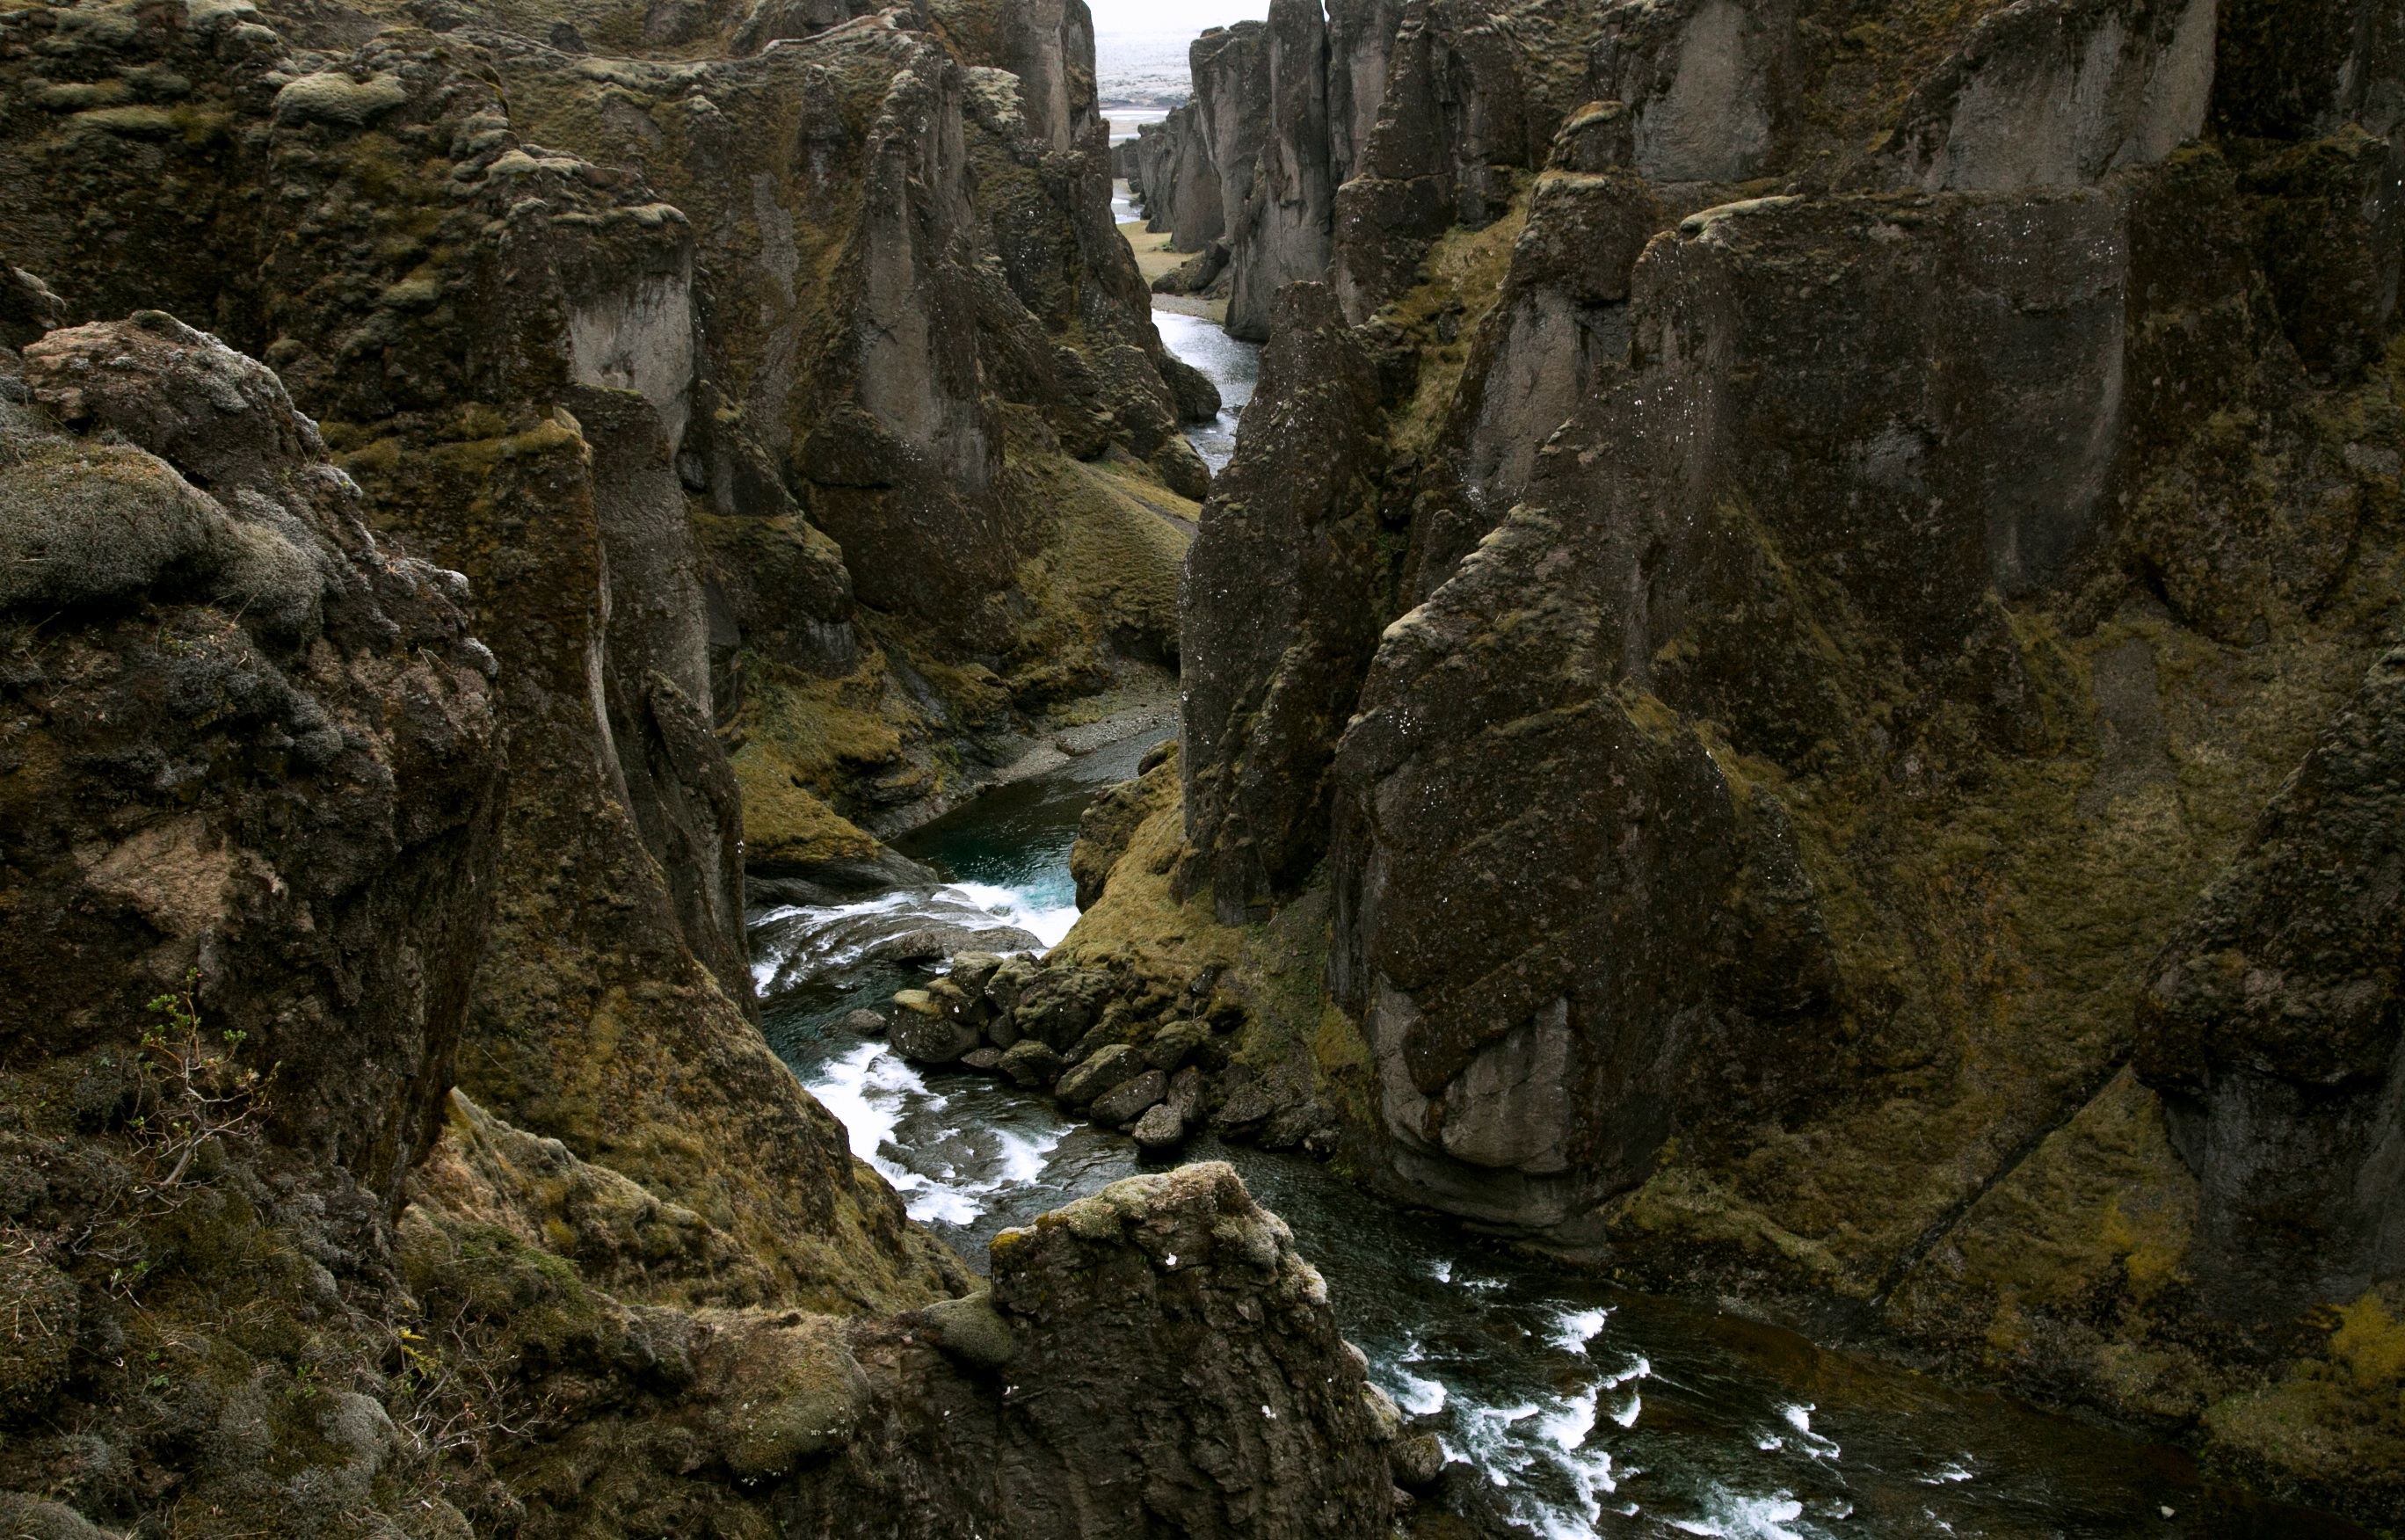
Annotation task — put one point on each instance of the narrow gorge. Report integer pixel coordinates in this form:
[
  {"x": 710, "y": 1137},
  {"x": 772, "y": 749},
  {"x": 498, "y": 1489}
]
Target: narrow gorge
[{"x": 1569, "y": 767}]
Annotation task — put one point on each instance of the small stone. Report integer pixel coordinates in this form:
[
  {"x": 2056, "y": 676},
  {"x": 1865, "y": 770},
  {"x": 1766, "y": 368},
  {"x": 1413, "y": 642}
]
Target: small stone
[
  {"x": 1128, "y": 1101},
  {"x": 863, "y": 1023},
  {"x": 1033, "y": 1063},
  {"x": 985, "y": 1061},
  {"x": 1160, "y": 1127},
  {"x": 1109, "y": 1069}
]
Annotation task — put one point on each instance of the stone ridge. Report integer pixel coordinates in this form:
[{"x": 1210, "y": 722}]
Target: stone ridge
[{"x": 1867, "y": 506}]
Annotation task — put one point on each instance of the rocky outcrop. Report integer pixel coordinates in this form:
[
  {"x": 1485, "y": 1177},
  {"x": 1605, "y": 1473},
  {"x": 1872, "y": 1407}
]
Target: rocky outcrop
[
  {"x": 2270, "y": 1032},
  {"x": 1281, "y": 231},
  {"x": 1122, "y": 1355},
  {"x": 1182, "y": 193},
  {"x": 252, "y": 756},
  {"x": 1855, "y": 508},
  {"x": 1174, "y": 1300},
  {"x": 252, "y": 775},
  {"x": 1272, "y": 665}
]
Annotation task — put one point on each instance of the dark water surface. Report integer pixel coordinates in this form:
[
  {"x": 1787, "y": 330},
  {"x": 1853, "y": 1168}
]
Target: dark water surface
[{"x": 1583, "y": 1409}]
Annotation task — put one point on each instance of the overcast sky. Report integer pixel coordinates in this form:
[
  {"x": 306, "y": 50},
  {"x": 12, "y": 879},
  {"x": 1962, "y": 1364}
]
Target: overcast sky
[{"x": 1184, "y": 16}]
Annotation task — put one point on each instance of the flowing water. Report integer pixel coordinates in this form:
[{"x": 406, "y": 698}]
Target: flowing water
[
  {"x": 1574, "y": 1407},
  {"x": 1231, "y": 365},
  {"x": 1578, "y": 1408}
]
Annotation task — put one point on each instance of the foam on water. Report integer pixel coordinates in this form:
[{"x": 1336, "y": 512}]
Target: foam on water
[
  {"x": 868, "y": 1089},
  {"x": 1418, "y": 1396},
  {"x": 1813, "y": 1444},
  {"x": 1577, "y": 1328},
  {"x": 1009, "y": 906},
  {"x": 1733, "y": 1516}
]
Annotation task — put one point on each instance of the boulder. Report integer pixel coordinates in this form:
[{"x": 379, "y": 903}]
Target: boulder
[
  {"x": 1058, "y": 1004},
  {"x": 1247, "y": 1106},
  {"x": 1009, "y": 984},
  {"x": 1106, "y": 1070},
  {"x": 1416, "y": 1460},
  {"x": 1032, "y": 1064},
  {"x": 863, "y": 1023},
  {"x": 983, "y": 1060},
  {"x": 1185, "y": 1095},
  {"x": 1128, "y": 1101},
  {"x": 1174, "y": 1044},
  {"x": 972, "y": 971},
  {"x": 924, "y": 1032},
  {"x": 1160, "y": 1129}
]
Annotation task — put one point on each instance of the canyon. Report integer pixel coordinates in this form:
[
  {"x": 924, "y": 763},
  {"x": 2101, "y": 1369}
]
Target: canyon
[{"x": 1791, "y": 696}]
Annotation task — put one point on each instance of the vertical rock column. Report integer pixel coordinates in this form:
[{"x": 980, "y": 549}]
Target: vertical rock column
[
  {"x": 1282, "y": 235},
  {"x": 1280, "y": 607}
]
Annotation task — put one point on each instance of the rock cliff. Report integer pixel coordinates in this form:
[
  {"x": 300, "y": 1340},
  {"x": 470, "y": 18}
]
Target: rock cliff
[
  {"x": 389, "y": 1141},
  {"x": 268, "y": 1270},
  {"x": 1881, "y": 525}
]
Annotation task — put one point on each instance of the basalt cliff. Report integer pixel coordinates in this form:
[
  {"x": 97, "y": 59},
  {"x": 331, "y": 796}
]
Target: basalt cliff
[
  {"x": 475, "y": 485},
  {"x": 1795, "y": 686}
]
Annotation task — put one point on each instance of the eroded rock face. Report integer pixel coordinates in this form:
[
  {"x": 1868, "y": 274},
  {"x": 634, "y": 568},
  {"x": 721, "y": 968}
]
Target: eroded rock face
[
  {"x": 259, "y": 754},
  {"x": 253, "y": 761},
  {"x": 1710, "y": 86},
  {"x": 1266, "y": 685},
  {"x": 1282, "y": 231},
  {"x": 2270, "y": 1030},
  {"x": 2060, "y": 94}
]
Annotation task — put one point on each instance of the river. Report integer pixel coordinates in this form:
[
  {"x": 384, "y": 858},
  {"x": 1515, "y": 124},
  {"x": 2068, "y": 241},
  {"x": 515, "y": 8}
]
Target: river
[{"x": 1575, "y": 1408}]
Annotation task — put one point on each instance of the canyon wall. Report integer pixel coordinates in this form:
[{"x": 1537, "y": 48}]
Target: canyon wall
[
  {"x": 1827, "y": 741},
  {"x": 387, "y": 1141}
]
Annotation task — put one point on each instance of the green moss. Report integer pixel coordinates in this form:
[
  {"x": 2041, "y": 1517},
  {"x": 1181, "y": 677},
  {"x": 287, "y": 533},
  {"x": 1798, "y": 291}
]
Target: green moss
[
  {"x": 2335, "y": 1419},
  {"x": 1462, "y": 279},
  {"x": 783, "y": 824},
  {"x": 823, "y": 735}
]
